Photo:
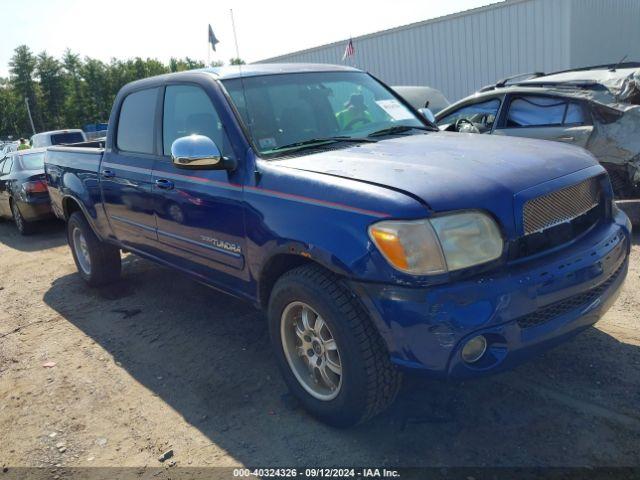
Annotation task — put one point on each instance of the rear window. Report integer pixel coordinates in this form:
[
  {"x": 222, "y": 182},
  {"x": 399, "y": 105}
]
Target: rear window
[
  {"x": 136, "y": 122},
  {"x": 69, "y": 137},
  {"x": 34, "y": 161}
]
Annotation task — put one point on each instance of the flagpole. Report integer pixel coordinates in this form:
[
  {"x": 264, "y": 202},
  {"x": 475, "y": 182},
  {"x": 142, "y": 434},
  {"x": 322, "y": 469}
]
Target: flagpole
[{"x": 235, "y": 36}]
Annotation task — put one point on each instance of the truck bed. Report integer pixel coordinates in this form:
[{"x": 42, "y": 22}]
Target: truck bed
[{"x": 77, "y": 163}]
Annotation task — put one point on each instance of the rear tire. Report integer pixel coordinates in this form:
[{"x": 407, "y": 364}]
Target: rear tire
[
  {"x": 98, "y": 262},
  {"x": 367, "y": 382},
  {"x": 24, "y": 227}
]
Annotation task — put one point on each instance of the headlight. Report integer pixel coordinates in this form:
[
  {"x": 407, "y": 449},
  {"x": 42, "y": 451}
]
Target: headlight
[{"x": 441, "y": 244}]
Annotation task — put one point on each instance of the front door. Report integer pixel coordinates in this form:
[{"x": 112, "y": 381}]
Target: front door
[
  {"x": 126, "y": 171},
  {"x": 546, "y": 118},
  {"x": 199, "y": 213}
]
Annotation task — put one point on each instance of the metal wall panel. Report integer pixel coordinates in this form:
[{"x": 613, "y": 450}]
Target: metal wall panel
[
  {"x": 460, "y": 53},
  {"x": 604, "y": 31}
]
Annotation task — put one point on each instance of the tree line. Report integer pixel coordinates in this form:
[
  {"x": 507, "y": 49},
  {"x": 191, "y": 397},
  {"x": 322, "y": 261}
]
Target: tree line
[{"x": 71, "y": 91}]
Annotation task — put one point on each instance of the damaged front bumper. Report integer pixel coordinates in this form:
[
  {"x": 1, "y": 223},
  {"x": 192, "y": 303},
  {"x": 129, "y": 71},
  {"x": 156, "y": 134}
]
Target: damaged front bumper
[{"x": 521, "y": 310}]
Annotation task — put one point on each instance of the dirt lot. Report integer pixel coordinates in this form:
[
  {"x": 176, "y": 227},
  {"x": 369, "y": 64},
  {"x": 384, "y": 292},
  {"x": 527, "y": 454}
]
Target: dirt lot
[{"x": 159, "y": 362}]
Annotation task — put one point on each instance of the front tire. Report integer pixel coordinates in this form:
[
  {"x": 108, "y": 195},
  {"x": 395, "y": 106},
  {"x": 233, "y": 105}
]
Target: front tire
[
  {"x": 328, "y": 350},
  {"x": 98, "y": 262}
]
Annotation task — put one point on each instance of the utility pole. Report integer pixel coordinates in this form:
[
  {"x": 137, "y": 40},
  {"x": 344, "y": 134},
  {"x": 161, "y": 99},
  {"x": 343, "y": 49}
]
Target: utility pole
[{"x": 26, "y": 101}]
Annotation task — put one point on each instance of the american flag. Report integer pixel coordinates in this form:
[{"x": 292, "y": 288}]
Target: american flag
[{"x": 349, "y": 51}]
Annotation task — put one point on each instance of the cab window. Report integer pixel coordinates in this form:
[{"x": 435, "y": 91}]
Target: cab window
[
  {"x": 482, "y": 115},
  {"x": 187, "y": 111},
  {"x": 136, "y": 122}
]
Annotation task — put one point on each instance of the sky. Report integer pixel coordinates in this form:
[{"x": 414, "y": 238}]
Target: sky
[{"x": 163, "y": 29}]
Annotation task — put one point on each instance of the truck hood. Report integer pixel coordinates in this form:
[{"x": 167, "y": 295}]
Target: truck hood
[{"x": 451, "y": 171}]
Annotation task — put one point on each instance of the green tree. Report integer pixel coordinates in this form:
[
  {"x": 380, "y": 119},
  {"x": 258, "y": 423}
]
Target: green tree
[
  {"x": 13, "y": 120},
  {"x": 70, "y": 91},
  {"x": 237, "y": 61},
  {"x": 52, "y": 86},
  {"x": 22, "y": 66},
  {"x": 96, "y": 97},
  {"x": 73, "y": 101}
]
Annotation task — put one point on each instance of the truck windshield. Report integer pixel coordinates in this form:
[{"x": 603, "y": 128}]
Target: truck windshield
[{"x": 290, "y": 111}]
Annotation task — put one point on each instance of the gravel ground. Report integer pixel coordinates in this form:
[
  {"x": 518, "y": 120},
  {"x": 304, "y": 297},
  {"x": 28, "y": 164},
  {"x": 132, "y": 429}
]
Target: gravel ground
[{"x": 158, "y": 362}]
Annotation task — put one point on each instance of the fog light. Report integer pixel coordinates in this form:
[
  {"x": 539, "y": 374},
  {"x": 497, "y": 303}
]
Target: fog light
[{"x": 474, "y": 349}]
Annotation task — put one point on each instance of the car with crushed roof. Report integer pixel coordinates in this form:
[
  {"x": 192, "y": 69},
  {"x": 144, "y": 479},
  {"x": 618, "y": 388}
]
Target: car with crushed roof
[{"x": 597, "y": 108}]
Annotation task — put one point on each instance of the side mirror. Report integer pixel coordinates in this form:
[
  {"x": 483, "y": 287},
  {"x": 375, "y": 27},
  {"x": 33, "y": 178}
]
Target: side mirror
[
  {"x": 198, "y": 152},
  {"x": 428, "y": 114}
]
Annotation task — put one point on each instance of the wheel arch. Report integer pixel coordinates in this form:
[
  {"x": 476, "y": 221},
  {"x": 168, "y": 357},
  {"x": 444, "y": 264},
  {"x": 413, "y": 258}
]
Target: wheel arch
[
  {"x": 274, "y": 268},
  {"x": 70, "y": 205}
]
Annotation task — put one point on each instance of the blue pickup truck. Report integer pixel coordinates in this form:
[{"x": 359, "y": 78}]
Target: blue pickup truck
[{"x": 374, "y": 243}]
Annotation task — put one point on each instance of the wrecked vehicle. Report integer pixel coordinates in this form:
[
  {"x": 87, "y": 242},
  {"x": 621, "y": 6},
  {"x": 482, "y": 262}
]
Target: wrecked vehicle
[
  {"x": 373, "y": 242},
  {"x": 597, "y": 108}
]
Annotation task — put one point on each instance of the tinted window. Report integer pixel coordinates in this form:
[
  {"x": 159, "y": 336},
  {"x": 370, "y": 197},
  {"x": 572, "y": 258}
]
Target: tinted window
[
  {"x": 188, "y": 110},
  {"x": 35, "y": 161},
  {"x": 482, "y": 114},
  {"x": 136, "y": 122},
  {"x": 543, "y": 111},
  {"x": 71, "y": 137}
]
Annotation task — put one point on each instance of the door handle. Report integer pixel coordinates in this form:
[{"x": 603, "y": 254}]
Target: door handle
[
  {"x": 108, "y": 173},
  {"x": 566, "y": 139},
  {"x": 164, "y": 184}
]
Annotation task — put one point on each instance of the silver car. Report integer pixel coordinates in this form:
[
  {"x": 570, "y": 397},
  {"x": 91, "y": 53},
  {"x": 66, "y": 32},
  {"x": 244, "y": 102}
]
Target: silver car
[{"x": 597, "y": 108}]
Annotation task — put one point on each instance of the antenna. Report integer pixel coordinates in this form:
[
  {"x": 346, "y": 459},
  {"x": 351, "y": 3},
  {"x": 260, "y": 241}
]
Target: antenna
[
  {"x": 256, "y": 173},
  {"x": 613, "y": 69}
]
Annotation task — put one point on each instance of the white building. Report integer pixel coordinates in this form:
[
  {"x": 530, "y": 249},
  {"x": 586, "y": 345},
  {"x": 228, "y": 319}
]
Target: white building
[{"x": 460, "y": 53}]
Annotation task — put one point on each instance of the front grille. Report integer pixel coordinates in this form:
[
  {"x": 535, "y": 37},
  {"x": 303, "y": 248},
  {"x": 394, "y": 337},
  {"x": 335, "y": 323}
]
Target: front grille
[
  {"x": 556, "y": 309},
  {"x": 560, "y": 206},
  {"x": 555, "y": 236}
]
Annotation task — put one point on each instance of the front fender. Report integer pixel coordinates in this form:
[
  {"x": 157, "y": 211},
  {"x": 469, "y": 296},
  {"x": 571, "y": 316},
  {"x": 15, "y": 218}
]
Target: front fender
[{"x": 323, "y": 218}]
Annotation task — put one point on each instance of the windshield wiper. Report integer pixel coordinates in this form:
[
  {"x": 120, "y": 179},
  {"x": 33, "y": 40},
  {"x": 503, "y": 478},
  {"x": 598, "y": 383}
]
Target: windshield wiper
[
  {"x": 398, "y": 129},
  {"x": 313, "y": 142}
]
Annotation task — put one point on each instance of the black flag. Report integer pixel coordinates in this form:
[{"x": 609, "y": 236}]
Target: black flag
[{"x": 212, "y": 39}]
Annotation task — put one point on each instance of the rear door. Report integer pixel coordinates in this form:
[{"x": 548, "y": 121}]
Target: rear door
[
  {"x": 546, "y": 118},
  {"x": 200, "y": 215},
  {"x": 125, "y": 172}
]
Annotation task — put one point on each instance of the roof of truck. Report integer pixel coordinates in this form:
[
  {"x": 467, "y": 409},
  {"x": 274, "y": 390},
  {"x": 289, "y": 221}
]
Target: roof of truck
[
  {"x": 236, "y": 71},
  {"x": 255, "y": 69}
]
